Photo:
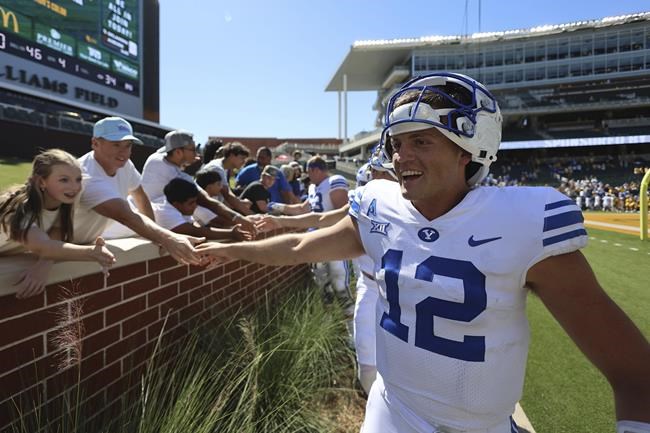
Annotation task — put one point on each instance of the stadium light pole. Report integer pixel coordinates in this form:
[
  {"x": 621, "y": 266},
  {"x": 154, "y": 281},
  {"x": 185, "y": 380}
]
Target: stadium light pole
[{"x": 643, "y": 206}]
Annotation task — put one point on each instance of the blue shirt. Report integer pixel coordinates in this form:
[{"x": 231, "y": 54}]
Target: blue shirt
[{"x": 253, "y": 172}]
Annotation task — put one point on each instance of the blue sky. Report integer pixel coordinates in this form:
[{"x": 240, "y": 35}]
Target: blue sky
[{"x": 259, "y": 68}]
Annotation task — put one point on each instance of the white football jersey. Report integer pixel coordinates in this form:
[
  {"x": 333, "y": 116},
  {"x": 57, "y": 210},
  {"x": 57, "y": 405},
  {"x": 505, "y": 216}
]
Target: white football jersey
[
  {"x": 452, "y": 332},
  {"x": 319, "y": 195}
]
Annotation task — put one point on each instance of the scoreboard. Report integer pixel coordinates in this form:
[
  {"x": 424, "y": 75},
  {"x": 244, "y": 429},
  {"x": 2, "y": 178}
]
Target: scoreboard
[{"x": 88, "y": 52}]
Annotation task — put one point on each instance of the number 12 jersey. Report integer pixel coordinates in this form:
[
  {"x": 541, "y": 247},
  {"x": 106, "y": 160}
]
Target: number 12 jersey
[{"x": 452, "y": 332}]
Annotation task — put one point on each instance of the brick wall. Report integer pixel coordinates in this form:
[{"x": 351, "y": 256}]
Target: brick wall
[{"x": 122, "y": 316}]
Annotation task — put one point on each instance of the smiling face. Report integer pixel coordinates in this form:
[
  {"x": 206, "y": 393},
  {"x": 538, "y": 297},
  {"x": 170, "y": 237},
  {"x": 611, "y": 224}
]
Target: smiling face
[
  {"x": 430, "y": 169},
  {"x": 111, "y": 155},
  {"x": 61, "y": 186}
]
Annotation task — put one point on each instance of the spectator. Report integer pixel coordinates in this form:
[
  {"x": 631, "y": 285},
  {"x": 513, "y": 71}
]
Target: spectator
[
  {"x": 297, "y": 158},
  {"x": 292, "y": 174},
  {"x": 109, "y": 176},
  {"x": 234, "y": 155},
  {"x": 280, "y": 192},
  {"x": 210, "y": 149},
  {"x": 258, "y": 192},
  {"x": 175, "y": 213},
  {"x": 211, "y": 183},
  {"x": 165, "y": 165},
  {"x": 38, "y": 217},
  {"x": 296, "y": 185}
]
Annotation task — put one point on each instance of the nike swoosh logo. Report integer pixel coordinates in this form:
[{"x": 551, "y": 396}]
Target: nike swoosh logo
[{"x": 476, "y": 242}]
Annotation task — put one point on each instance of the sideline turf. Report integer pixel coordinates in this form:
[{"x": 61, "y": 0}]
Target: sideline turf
[
  {"x": 563, "y": 391},
  {"x": 13, "y": 171}
]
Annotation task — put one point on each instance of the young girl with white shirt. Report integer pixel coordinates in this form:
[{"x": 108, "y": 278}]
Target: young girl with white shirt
[{"x": 37, "y": 217}]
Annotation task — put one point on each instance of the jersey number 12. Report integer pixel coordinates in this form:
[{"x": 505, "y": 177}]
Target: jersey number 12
[{"x": 472, "y": 348}]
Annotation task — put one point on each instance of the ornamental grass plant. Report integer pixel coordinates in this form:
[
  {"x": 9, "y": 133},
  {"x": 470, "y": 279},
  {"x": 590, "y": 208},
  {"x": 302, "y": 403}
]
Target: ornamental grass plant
[{"x": 274, "y": 370}]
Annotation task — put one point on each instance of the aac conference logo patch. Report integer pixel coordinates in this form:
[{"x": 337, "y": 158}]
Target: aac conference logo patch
[{"x": 428, "y": 234}]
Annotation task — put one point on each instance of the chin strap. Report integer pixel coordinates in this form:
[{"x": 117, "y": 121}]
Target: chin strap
[{"x": 625, "y": 426}]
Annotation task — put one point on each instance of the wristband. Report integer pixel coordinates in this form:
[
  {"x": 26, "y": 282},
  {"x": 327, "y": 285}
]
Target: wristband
[
  {"x": 626, "y": 426},
  {"x": 271, "y": 206}
]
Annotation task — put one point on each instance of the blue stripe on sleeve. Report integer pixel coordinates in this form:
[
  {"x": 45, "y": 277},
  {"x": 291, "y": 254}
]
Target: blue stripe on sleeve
[
  {"x": 339, "y": 183},
  {"x": 557, "y": 204},
  {"x": 564, "y": 236},
  {"x": 562, "y": 220},
  {"x": 354, "y": 207}
]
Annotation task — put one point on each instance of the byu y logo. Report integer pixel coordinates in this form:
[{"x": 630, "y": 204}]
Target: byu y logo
[
  {"x": 378, "y": 227},
  {"x": 428, "y": 234}
]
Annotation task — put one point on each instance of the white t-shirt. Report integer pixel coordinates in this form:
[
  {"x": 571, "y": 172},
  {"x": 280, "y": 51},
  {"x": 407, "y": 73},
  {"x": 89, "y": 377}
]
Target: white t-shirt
[
  {"x": 49, "y": 218},
  {"x": 217, "y": 165},
  {"x": 98, "y": 187},
  {"x": 168, "y": 216},
  {"x": 452, "y": 334},
  {"x": 157, "y": 173}
]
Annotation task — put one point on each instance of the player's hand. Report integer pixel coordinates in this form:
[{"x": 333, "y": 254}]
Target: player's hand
[
  {"x": 267, "y": 223},
  {"x": 255, "y": 217},
  {"x": 181, "y": 248},
  {"x": 240, "y": 235},
  {"x": 102, "y": 255},
  {"x": 247, "y": 225},
  {"x": 213, "y": 249},
  {"x": 32, "y": 281}
]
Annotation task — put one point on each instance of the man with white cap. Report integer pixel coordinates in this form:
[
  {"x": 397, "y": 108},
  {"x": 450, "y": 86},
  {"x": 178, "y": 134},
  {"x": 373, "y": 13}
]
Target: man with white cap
[
  {"x": 109, "y": 177},
  {"x": 454, "y": 262},
  {"x": 166, "y": 164}
]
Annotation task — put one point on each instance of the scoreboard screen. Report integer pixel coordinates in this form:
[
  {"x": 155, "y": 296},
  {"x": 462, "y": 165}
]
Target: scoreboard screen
[{"x": 86, "y": 51}]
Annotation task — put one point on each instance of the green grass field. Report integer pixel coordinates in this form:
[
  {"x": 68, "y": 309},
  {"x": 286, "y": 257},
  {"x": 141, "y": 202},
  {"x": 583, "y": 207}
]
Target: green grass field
[
  {"x": 13, "y": 171},
  {"x": 563, "y": 391}
]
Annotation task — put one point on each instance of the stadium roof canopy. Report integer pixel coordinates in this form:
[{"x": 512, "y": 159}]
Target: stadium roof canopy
[{"x": 368, "y": 62}]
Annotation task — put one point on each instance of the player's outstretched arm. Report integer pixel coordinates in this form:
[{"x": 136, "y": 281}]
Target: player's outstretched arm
[
  {"x": 569, "y": 289},
  {"x": 337, "y": 242},
  {"x": 305, "y": 221}
]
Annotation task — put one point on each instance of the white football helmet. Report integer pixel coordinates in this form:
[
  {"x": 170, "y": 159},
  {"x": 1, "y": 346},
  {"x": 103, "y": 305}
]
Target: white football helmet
[
  {"x": 363, "y": 175},
  {"x": 474, "y": 123},
  {"x": 379, "y": 162}
]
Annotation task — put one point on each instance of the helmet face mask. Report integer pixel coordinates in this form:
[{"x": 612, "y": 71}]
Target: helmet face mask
[{"x": 465, "y": 112}]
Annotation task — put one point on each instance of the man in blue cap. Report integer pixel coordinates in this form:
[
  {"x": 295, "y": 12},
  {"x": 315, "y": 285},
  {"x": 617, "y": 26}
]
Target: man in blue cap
[{"x": 109, "y": 177}]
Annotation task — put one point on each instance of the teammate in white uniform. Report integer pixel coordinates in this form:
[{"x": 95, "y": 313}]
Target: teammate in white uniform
[
  {"x": 454, "y": 263},
  {"x": 326, "y": 192},
  {"x": 367, "y": 289}
]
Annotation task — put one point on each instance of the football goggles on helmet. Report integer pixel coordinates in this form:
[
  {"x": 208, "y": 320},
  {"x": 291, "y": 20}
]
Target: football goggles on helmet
[{"x": 472, "y": 121}]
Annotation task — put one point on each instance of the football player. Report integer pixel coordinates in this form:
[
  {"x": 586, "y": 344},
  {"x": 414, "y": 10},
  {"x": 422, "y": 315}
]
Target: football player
[
  {"x": 327, "y": 192},
  {"x": 454, "y": 262}
]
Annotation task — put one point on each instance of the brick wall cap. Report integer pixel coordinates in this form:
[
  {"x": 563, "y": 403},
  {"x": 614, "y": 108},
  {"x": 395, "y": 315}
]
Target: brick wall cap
[{"x": 127, "y": 251}]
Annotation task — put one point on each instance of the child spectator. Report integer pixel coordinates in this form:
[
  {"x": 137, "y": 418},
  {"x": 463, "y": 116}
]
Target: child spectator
[
  {"x": 211, "y": 182},
  {"x": 37, "y": 217},
  {"x": 175, "y": 213},
  {"x": 258, "y": 192}
]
